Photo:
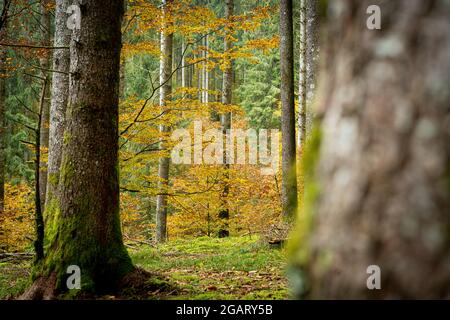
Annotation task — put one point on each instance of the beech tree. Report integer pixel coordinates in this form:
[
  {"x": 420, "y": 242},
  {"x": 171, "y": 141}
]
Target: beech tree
[
  {"x": 59, "y": 97},
  {"x": 378, "y": 190},
  {"x": 165, "y": 81},
  {"x": 225, "y": 119}
]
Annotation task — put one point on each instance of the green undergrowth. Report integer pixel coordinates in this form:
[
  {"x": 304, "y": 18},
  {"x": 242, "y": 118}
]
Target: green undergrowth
[
  {"x": 14, "y": 278},
  {"x": 212, "y": 268},
  {"x": 200, "y": 268}
]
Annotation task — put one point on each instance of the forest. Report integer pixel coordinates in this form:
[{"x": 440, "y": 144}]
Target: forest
[{"x": 224, "y": 149}]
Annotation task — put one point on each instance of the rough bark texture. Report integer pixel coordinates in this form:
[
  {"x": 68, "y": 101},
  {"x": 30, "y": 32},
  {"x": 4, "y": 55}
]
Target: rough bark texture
[
  {"x": 289, "y": 185},
  {"x": 164, "y": 162},
  {"x": 225, "y": 119},
  {"x": 44, "y": 62},
  {"x": 383, "y": 173},
  {"x": 59, "y": 97},
  {"x": 85, "y": 226}
]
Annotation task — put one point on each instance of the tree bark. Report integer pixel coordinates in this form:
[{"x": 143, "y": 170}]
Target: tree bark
[
  {"x": 45, "y": 62},
  {"x": 312, "y": 58},
  {"x": 3, "y": 75},
  {"x": 164, "y": 162},
  {"x": 59, "y": 98},
  {"x": 381, "y": 192},
  {"x": 85, "y": 230},
  {"x": 302, "y": 76},
  {"x": 225, "y": 119},
  {"x": 38, "y": 216},
  {"x": 289, "y": 183}
]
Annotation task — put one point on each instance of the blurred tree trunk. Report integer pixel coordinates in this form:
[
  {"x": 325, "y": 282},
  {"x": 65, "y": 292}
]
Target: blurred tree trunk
[
  {"x": 227, "y": 97},
  {"x": 380, "y": 190},
  {"x": 59, "y": 97},
  {"x": 45, "y": 61},
  {"x": 87, "y": 224},
  {"x": 164, "y": 94},
  {"x": 289, "y": 185}
]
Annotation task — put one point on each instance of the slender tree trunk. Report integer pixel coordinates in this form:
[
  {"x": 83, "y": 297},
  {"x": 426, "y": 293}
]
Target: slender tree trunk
[
  {"x": 227, "y": 95},
  {"x": 302, "y": 76},
  {"x": 164, "y": 93},
  {"x": 289, "y": 183},
  {"x": 380, "y": 194},
  {"x": 311, "y": 58},
  {"x": 183, "y": 64},
  {"x": 206, "y": 72},
  {"x": 87, "y": 230},
  {"x": 3, "y": 75},
  {"x": 45, "y": 62},
  {"x": 59, "y": 98},
  {"x": 38, "y": 217}
]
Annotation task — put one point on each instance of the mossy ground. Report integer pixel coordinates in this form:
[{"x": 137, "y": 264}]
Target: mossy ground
[{"x": 201, "y": 268}]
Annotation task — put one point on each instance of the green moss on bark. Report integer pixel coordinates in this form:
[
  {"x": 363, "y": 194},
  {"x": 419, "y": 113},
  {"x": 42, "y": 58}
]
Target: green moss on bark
[
  {"x": 67, "y": 171},
  {"x": 298, "y": 246}
]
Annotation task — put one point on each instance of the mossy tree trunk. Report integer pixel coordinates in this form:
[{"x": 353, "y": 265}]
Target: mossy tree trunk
[
  {"x": 85, "y": 227},
  {"x": 382, "y": 186},
  {"x": 288, "y": 163}
]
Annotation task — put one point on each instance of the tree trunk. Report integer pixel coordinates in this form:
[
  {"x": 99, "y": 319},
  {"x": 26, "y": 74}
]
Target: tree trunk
[
  {"x": 381, "y": 192},
  {"x": 59, "y": 97},
  {"x": 206, "y": 72},
  {"x": 183, "y": 64},
  {"x": 289, "y": 183},
  {"x": 227, "y": 97},
  {"x": 45, "y": 115},
  {"x": 86, "y": 231},
  {"x": 302, "y": 76},
  {"x": 311, "y": 58},
  {"x": 38, "y": 216},
  {"x": 3, "y": 54},
  {"x": 164, "y": 93}
]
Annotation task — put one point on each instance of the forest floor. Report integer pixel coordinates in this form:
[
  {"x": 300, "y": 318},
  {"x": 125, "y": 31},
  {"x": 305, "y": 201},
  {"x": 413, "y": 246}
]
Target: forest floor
[{"x": 200, "y": 268}]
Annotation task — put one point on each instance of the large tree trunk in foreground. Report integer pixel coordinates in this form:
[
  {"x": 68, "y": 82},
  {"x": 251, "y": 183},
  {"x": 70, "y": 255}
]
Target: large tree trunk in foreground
[
  {"x": 85, "y": 230},
  {"x": 289, "y": 183},
  {"x": 164, "y": 162},
  {"x": 225, "y": 119},
  {"x": 384, "y": 156},
  {"x": 59, "y": 97}
]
